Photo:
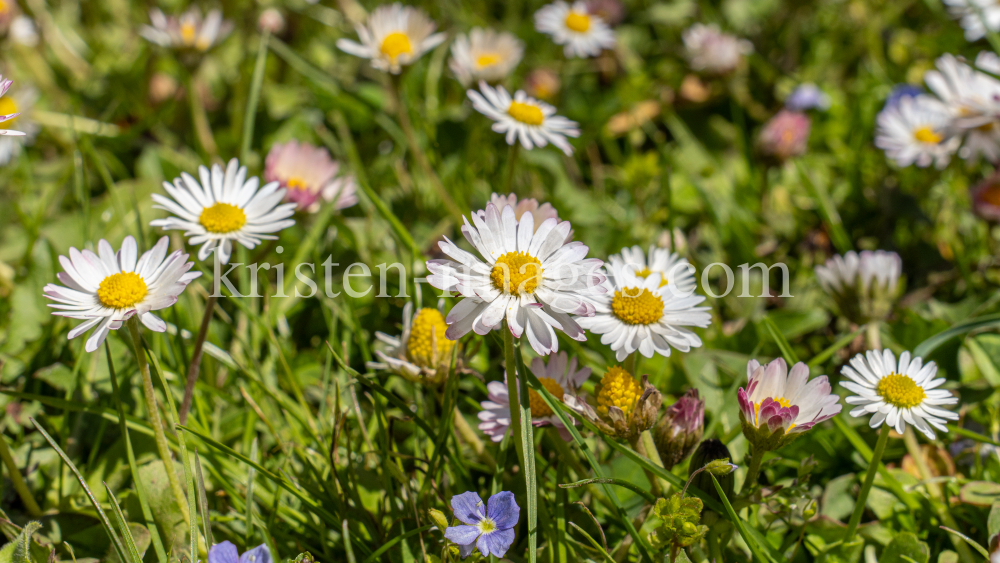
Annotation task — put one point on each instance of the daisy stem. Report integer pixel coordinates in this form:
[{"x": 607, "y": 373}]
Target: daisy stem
[
  {"x": 194, "y": 368},
  {"x": 19, "y": 485},
  {"x": 154, "y": 417},
  {"x": 753, "y": 471},
  {"x": 199, "y": 119},
  {"x": 255, "y": 84},
  {"x": 866, "y": 487},
  {"x": 647, "y": 447},
  {"x": 630, "y": 363},
  {"x": 873, "y": 335},
  {"x": 512, "y": 154},
  {"x": 512, "y": 396}
]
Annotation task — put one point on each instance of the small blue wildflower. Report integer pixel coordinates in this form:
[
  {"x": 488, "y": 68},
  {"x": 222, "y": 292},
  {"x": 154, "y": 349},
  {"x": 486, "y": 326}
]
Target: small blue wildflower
[
  {"x": 807, "y": 96},
  {"x": 225, "y": 552},
  {"x": 900, "y": 92},
  {"x": 491, "y": 531}
]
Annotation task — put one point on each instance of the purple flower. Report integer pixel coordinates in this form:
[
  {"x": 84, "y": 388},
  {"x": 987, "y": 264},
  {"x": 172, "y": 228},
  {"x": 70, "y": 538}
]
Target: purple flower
[
  {"x": 225, "y": 552},
  {"x": 491, "y": 531},
  {"x": 807, "y": 96},
  {"x": 900, "y": 92}
]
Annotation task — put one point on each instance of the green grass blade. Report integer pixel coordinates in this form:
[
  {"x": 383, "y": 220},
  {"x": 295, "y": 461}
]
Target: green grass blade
[
  {"x": 597, "y": 547},
  {"x": 928, "y": 346},
  {"x": 347, "y": 543},
  {"x": 256, "y": 82},
  {"x": 829, "y": 211},
  {"x": 735, "y": 519},
  {"x": 610, "y": 481},
  {"x": 528, "y": 446},
  {"x": 206, "y": 523},
  {"x": 123, "y": 526},
  {"x": 866, "y": 452},
  {"x": 388, "y": 545},
  {"x": 968, "y": 540},
  {"x": 251, "y": 476},
  {"x": 774, "y": 332},
  {"x": 837, "y": 346}
]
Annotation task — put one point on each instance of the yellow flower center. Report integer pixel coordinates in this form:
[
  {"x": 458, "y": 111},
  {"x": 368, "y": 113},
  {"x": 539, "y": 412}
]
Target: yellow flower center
[
  {"x": 618, "y": 389},
  {"x": 121, "y": 290},
  {"x": 516, "y": 272},
  {"x": 3, "y": 7},
  {"x": 7, "y": 106},
  {"x": 296, "y": 183},
  {"x": 222, "y": 218},
  {"x": 187, "y": 33},
  {"x": 785, "y": 403},
  {"x": 646, "y": 272},
  {"x": 526, "y": 113},
  {"x": 900, "y": 391},
  {"x": 427, "y": 346},
  {"x": 578, "y": 22},
  {"x": 637, "y": 307},
  {"x": 486, "y": 525},
  {"x": 927, "y": 135},
  {"x": 537, "y": 403},
  {"x": 488, "y": 59},
  {"x": 396, "y": 44}
]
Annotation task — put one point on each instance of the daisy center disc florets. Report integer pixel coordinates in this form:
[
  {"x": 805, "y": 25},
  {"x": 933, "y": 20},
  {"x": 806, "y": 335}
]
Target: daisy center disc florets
[
  {"x": 516, "y": 272},
  {"x": 637, "y": 307},
  {"x": 121, "y": 290},
  {"x": 526, "y": 113},
  {"x": 7, "y": 105},
  {"x": 188, "y": 32},
  {"x": 222, "y": 218},
  {"x": 646, "y": 272},
  {"x": 296, "y": 183},
  {"x": 900, "y": 391},
  {"x": 537, "y": 403},
  {"x": 927, "y": 135},
  {"x": 618, "y": 389},
  {"x": 578, "y": 22},
  {"x": 785, "y": 403},
  {"x": 427, "y": 346},
  {"x": 488, "y": 59},
  {"x": 396, "y": 44}
]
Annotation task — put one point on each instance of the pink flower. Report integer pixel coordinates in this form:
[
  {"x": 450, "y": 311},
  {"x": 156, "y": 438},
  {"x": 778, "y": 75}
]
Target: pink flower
[
  {"x": 309, "y": 175},
  {"x": 777, "y": 399},
  {"x": 986, "y": 198},
  {"x": 785, "y": 135}
]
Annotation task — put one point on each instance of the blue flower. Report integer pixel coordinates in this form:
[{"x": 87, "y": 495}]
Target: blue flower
[
  {"x": 491, "y": 531},
  {"x": 225, "y": 552},
  {"x": 900, "y": 92},
  {"x": 807, "y": 96}
]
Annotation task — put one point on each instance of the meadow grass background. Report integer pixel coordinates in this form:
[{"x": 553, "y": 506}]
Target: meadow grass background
[{"x": 349, "y": 460}]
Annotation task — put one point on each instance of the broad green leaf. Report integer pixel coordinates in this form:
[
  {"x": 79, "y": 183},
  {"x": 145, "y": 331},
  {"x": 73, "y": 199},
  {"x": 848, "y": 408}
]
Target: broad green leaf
[
  {"x": 980, "y": 493},
  {"x": 905, "y": 545}
]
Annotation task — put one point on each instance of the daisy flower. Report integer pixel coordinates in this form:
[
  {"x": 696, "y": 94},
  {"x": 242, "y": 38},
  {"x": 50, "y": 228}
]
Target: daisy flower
[
  {"x": 19, "y": 105},
  {"x": 532, "y": 121},
  {"x": 542, "y": 83},
  {"x": 680, "y": 429},
  {"x": 422, "y": 354},
  {"x": 189, "y": 31},
  {"x": 986, "y": 199},
  {"x": 898, "y": 394},
  {"x": 8, "y": 110},
  {"x": 532, "y": 278},
  {"x": 394, "y": 36},
  {"x": 915, "y": 131},
  {"x": 625, "y": 407},
  {"x": 309, "y": 176},
  {"x": 646, "y": 315},
  {"x": 485, "y": 54},
  {"x": 108, "y": 288},
  {"x": 712, "y": 51},
  {"x": 558, "y": 376},
  {"x": 785, "y": 135},
  {"x": 975, "y": 16},
  {"x": 776, "y": 399},
  {"x": 672, "y": 267},
  {"x": 526, "y": 205},
  {"x": 490, "y": 530},
  {"x": 24, "y": 31},
  {"x": 581, "y": 32},
  {"x": 864, "y": 285},
  {"x": 222, "y": 208},
  {"x": 971, "y": 98}
]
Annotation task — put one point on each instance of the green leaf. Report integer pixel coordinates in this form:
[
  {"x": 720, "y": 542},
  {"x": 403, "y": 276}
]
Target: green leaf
[
  {"x": 993, "y": 523},
  {"x": 968, "y": 540},
  {"x": 980, "y": 493},
  {"x": 19, "y": 550},
  {"x": 750, "y": 540},
  {"x": 905, "y": 544},
  {"x": 928, "y": 346}
]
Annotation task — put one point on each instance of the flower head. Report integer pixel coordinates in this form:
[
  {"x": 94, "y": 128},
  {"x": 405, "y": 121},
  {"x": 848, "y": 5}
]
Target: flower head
[
  {"x": 309, "y": 176},
  {"x": 531, "y": 277},
  {"x": 23, "y": 31},
  {"x": 581, "y": 32},
  {"x": 189, "y": 31},
  {"x": 680, "y": 429},
  {"x": 18, "y": 105},
  {"x": 534, "y": 122},
  {"x": 540, "y": 213},
  {"x": 898, "y": 394},
  {"x": 226, "y": 552},
  {"x": 915, "y": 130},
  {"x": 485, "y": 54},
  {"x": 624, "y": 406},
  {"x": 222, "y": 208},
  {"x": 985, "y": 198},
  {"x": 8, "y": 110},
  {"x": 865, "y": 286},
  {"x": 491, "y": 530},
  {"x": 422, "y": 354},
  {"x": 712, "y": 51},
  {"x": 611, "y": 11},
  {"x": 108, "y": 288},
  {"x": 672, "y": 267},
  {"x": 971, "y": 97},
  {"x": 647, "y": 311},
  {"x": 271, "y": 20},
  {"x": 777, "y": 405},
  {"x": 557, "y": 376},
  {"x": 393, "y": 37},
  {"x": 807, "y": 96},
  {"x": 786, "y": 135},
  {"x": 975, "y": 16},
  {"x": 542, "y": 83}
]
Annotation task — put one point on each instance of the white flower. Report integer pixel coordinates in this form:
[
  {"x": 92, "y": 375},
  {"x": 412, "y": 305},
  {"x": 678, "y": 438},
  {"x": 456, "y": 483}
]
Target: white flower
[
  {"x": 532, "y": 121},
  {"x": 646, "y": 315},
  {"x": 394, "y": 36},
  {"x": 775, "y": 398},
  {"x": 309, "y": 175},
  {"x": 864, "y": 285},
  {"x": 973, "y": 100},
  {"x": 710, "y": 50},
  {"x": 973, "y": 13},
  {"x": 558, "y": 378},
  {"x": 19, "y": 104},
  {"x": 423, "y": 352},
  {"x": 898, "y": 394},
  {"x": 672, "y": 267},
  {"x": 582, "y": 33},
  {"x": 916, "y": 131},
  {"x": 189, "y": 31},
  {"x": 8, "y": 109},
  {"x": 989, "y": 62},
  {"x": 533, "y": 279},
  {"x": 223, "y": 208},
  {"x": 108, "y": 288},
  {"x": 23, "y": 31},
  {"x": 485, "y": 55}
]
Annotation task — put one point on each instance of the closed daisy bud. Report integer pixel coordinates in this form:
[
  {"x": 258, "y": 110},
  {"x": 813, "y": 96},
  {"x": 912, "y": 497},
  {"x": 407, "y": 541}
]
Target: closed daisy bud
[
  {"x": 680, "y": 429},
  {"x": 865, "y": 285},
  {"x": 708, "y": 451},
  {"x": 624, "y": 407}
]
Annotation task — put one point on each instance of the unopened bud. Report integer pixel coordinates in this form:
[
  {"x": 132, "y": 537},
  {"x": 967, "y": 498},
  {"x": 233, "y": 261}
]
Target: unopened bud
[
  {"x": 720, "y": 467},
  {"x": 271, "y": 20},
  {"x": 711, "y": 450},
  {"x": 439, "y": 519},
  {"x": 680, "y": 429}
]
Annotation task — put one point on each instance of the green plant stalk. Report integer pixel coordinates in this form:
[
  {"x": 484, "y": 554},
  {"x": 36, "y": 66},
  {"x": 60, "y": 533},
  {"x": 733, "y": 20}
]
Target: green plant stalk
[
  {"x": 194, "y": 368},
  {"x": 515, "y": 401},
  {"x": 521, "y": 413},
  {"x": 154, "y": 418},
  {"x": 647, "y": 447},
  {"x": 255, "y": 85},
  {"x": 630, "y": 363},
  {"x": 873, "y": 335},
  {"x": 199, "y": 119},
  {"x": 15, "y": 478},
  {"x": 753, "y": 471},
  {"x": 859, "y": 505},
  {"x": 512, "y": 154}
]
